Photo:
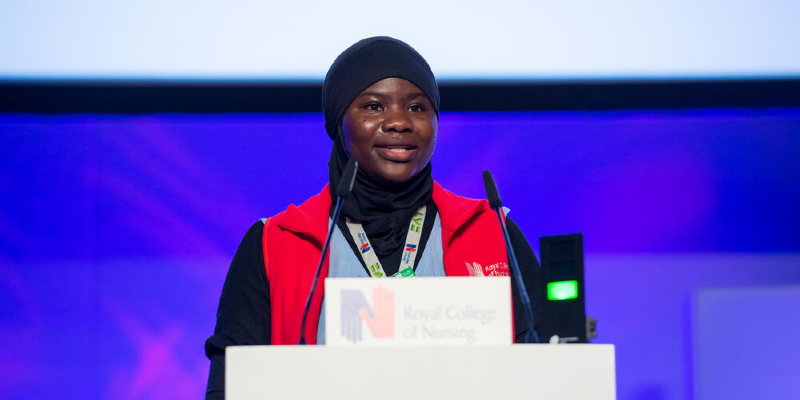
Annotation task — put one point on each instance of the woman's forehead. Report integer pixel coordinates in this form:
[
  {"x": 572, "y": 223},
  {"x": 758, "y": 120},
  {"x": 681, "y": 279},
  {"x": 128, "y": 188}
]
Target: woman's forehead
[{"x": 394, "y": 87}]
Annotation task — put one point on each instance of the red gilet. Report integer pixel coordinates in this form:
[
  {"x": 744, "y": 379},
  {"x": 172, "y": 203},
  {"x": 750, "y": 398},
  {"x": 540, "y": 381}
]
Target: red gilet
[{"x": 471, "y": 241}]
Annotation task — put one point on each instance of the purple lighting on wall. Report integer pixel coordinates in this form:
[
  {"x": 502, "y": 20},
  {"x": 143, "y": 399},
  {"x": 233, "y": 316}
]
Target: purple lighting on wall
[{"x": 116, "y": 231}]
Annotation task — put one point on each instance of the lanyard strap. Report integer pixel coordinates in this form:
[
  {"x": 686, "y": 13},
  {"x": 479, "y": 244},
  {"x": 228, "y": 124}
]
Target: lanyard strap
[{"x": 367, "y": 254}]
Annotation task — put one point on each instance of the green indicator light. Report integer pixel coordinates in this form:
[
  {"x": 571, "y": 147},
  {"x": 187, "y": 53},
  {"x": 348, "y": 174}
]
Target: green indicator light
[{"x": 563, "y": 290}]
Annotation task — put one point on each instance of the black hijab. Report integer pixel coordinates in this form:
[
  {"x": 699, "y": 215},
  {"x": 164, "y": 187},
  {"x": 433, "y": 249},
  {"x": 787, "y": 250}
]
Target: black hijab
[{"x": 383, "y": 211}]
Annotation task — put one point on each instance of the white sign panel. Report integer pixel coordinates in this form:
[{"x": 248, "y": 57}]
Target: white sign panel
[{"x": 418, "y": 311}]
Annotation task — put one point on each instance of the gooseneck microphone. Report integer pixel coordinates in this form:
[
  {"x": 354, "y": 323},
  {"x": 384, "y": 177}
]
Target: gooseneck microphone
[
  {"x": 343, "y": 191},
  {"x": 494, "y": 201}
]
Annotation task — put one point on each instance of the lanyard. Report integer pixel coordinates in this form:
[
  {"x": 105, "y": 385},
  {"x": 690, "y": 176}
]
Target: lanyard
[{"x": 367, "y": 254}]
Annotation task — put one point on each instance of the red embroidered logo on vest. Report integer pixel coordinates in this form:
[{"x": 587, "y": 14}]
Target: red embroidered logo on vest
[{"x": 497, "y": 269}]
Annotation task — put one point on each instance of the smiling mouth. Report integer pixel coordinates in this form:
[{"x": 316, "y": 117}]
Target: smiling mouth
[{"x": 397, "y": 153}]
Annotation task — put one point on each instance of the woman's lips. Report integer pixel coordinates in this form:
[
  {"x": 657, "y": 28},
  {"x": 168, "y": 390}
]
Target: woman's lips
[{"x": 397, "y": 154}]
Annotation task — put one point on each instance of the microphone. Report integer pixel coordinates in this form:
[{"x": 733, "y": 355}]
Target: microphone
[
  {"x": 343, "y": 191},
  {"x": 494, "y": 202}
]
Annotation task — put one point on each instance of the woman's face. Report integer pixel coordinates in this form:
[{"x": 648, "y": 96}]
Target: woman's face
[{"x": 390, "y": 128}]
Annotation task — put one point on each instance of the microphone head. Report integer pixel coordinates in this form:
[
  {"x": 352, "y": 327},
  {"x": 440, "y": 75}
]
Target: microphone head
[
  {"x": 348, "y": 179},
  {"x": 491, "y": 190}
]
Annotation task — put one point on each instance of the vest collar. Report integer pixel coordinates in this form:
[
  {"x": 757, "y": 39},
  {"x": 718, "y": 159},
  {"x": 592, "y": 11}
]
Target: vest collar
[
  {"x": 455, "y": 210},
  {"x": 311, "y": 217}
]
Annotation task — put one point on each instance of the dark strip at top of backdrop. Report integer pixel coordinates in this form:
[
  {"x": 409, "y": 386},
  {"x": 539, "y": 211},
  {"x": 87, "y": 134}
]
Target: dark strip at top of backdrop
[{"x": 138, "y": 97}]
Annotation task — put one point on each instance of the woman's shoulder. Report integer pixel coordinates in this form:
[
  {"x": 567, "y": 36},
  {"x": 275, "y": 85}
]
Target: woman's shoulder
[
  {"x": 252, "y": 238},
  {"x": 309, "y": 218},
  {"x": 455, "y": 210},
  {"x": 447, "y": 198}
]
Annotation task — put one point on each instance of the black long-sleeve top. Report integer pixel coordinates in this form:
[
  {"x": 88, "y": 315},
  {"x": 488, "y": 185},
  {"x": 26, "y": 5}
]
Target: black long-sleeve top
[{"x": 244, "y": 315}]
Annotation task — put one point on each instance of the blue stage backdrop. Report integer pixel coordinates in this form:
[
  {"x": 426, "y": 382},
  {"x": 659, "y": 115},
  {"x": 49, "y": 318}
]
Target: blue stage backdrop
[{"x": 116, "y": 231}]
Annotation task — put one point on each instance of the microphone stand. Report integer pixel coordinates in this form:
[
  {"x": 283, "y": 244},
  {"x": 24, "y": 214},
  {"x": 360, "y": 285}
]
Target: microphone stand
[
  {"x": 342, "y": 192},
  {"x": 494, "y": 202}
]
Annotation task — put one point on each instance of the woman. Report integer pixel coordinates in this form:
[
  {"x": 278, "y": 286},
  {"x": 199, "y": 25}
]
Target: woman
[{"x": 381, "y": 106}]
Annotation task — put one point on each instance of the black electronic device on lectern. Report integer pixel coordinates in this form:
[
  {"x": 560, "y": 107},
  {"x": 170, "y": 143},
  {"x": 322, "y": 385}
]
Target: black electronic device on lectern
[{"x": 564, "y": 302}]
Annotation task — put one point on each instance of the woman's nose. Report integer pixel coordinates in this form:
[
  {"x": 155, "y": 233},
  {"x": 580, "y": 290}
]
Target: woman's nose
[{"x": 397, "y": 121}]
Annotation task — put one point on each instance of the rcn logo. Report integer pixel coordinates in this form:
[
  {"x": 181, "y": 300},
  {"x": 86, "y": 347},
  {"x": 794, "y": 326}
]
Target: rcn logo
[{"x": 379, "y": 318}]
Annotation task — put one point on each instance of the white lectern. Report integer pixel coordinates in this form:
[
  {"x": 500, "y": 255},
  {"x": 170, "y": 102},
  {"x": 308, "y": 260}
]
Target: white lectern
[{"x": 535, "y": 371}]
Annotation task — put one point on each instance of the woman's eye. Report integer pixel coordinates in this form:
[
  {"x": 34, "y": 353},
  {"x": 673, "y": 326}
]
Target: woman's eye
[
  {"x": 373, "y": 107},
  {"x": 416, "y": 108}
]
